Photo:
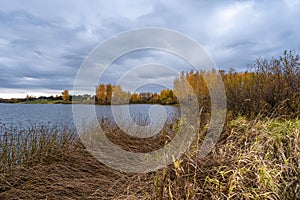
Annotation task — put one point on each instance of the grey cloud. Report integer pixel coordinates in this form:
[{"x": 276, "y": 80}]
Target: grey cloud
[
  {"x": 49, "y": 41},
  {"x": 139, "y": 58}
]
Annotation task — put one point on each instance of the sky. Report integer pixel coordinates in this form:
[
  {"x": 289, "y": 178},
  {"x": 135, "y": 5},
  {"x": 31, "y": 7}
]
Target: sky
[{"x": 44, "y": 43}]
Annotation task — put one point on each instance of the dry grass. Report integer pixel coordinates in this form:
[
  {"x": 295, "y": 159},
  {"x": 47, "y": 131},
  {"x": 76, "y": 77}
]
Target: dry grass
[
  {"x": 253, "y": 160},
  {"x": 258, "y": 159}
]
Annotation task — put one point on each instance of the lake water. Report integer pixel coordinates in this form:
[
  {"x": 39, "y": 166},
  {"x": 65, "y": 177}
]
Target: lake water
[{"x": 28, "y": 115}]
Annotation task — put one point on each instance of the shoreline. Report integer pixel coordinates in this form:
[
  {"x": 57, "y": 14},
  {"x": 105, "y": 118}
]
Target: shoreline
[
  {"x": 251, "y": 158},
  {"x": 83, "y": 103}
]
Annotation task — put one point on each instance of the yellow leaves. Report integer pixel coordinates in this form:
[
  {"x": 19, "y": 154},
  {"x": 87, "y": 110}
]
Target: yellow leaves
[
  {"x": 65, "y": 95},
  {"x": 101, "y": 93},
  {"x": 104, "y": 94}
]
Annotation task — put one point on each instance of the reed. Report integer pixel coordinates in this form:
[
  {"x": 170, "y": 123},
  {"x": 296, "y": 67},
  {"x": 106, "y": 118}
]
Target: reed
[
  {"x": 253, "y": 159},
  {"x": 256, "y": 159},
  {"x": 27, "y": 147}
]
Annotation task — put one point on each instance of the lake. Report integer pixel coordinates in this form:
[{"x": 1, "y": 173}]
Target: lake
[{"x": 29, "y": 115}]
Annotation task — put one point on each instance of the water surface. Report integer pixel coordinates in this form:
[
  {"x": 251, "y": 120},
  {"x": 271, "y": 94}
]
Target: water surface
[{"x": 28, "y": 115}]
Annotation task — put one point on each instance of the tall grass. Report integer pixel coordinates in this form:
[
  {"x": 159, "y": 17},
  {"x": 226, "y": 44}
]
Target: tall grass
[
  {"x": 253, "y": 159},
  {"x": 27, "y": 147},
  {"x": 270, "y": 87}
]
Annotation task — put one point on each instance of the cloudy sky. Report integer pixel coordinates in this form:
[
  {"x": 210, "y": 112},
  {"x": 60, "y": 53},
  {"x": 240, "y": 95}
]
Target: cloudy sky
[{"x": 43, "y": 43}]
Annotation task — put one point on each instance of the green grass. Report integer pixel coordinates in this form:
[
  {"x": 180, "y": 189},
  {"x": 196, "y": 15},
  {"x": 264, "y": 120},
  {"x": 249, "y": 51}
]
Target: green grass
[{"x": 43, "y": 102}]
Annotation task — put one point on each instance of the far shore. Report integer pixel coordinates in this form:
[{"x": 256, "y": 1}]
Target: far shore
[{"x": 70, "y": 102}]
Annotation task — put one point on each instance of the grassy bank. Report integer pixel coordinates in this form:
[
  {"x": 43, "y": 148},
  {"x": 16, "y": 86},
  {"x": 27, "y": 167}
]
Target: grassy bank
[
  {"x": 257, "y": 159},
  {"x": 43, "y": 102}
]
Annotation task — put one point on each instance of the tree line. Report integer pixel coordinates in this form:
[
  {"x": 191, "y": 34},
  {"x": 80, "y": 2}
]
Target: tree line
[
  {"x": 108, "y": 93},
  {"x": 270, "y": 87}
]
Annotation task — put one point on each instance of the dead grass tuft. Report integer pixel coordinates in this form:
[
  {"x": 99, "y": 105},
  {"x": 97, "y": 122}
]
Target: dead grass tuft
[{"x": 257, "y": 159}]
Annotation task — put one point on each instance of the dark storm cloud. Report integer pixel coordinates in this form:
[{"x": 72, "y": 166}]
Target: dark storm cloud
[
  {"x": 33, "y": 56},
  {"x": 43, "y": 44}
]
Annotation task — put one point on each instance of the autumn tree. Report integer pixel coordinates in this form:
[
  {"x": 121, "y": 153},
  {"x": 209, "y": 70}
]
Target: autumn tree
[
  {"x": 101, "y": 93},
  {"x": 65, "y": 95},
  {"x": 167, "y": 97},
  {"x": 109, "y": 91},
  {"x": 136, "y": 98},
  {"x": 271, "y": 88},
  {"x": 155, "y": 98},
  {"x": 120, "y": 96}
]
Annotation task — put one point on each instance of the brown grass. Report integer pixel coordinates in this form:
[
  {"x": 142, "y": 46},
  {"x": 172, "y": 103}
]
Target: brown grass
[{"x": 258, "y": 159}]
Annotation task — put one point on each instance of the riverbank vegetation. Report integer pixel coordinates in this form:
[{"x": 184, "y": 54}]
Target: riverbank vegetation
[
  {"x": 269, "y": 87},
  {"x": 257, "y": 155},
  {"x": 254, "y": 159}
]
